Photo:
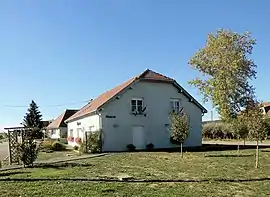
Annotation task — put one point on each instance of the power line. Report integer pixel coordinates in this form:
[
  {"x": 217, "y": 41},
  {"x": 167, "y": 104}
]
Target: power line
[{"x": 54, "y": 105}]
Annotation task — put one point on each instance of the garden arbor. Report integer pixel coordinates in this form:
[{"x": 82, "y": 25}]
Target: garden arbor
[{"x": 16, "y": 135}]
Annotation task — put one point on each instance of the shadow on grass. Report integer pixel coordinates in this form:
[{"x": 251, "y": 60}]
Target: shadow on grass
[
  {"x": 11, "y": 173},
  {"x": 208, "y": 148},
  {"x": 134, "y": 180},
  {"x": 266, "y": 151},
  {"x": 217, "y": 155},
  {"x": 62, "y": 165}
]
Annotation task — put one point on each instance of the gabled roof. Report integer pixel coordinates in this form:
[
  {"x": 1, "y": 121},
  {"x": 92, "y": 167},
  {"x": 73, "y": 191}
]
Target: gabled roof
[
  {"x": 266, "y": 104},
  {"x": 60, "y": 121},
  {"x": 148, "y": 75}
]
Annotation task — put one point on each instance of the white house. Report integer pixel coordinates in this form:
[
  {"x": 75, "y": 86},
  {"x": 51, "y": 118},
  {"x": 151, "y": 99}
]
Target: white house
[
  {"x": 58, "y": 128},
  {"x": 137, "y": 112}
]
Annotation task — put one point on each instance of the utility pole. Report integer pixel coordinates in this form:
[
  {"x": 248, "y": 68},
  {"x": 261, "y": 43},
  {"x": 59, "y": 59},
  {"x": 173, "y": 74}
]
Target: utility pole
[{"x": 212, "y": 115}]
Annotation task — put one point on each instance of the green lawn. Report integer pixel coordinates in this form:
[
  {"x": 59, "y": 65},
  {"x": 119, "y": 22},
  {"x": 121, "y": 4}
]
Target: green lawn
[
  {"x": 155, "y": 165},
  {"x": 43, "y": 156}
]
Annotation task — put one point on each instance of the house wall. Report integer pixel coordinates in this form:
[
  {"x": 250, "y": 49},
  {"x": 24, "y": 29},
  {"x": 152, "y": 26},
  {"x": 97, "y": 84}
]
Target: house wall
[
  {"x": 58, "y": 133},
  {"x": 117, "y": 132},
  {"x": 86, "y": 124}
]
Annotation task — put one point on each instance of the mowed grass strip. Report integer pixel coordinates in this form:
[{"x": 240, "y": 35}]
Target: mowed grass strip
[{"x": 145, "y": 165}]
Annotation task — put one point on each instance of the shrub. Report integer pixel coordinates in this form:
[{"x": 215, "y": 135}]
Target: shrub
[
  {"x": 76, "y": 147},
  {"x": 27, "y": 152},
  {"x": 217, "y": 131},
  {"x": 63, "y": 141},
  {"x": 150, "y": 146},
  {"x": 46, "y": 145},
  {"x": 92, "y": 144},
  {"x": 57, "y": 146},
  {"x": 131, "y": 147}
]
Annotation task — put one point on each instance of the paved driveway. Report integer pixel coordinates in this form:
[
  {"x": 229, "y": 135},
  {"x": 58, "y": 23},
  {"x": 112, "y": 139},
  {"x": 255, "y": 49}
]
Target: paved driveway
[{"x": 3, "y": 150}]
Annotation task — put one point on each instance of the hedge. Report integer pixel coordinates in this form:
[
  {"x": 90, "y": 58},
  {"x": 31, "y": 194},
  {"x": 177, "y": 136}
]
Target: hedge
[
  {"x": 221, "y": 130},
  {"x": 218, "y": 130}
]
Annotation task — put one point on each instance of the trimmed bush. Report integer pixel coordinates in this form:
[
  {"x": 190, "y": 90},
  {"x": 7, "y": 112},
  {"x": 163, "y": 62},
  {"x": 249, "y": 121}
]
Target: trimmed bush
[
  {"x": 131, "y": 147},
  {"x": 150, "y": 146},
  {"x": 57, "y": 146}
]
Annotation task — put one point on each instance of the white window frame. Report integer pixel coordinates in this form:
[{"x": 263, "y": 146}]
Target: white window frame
[
  {"x": 174, "y": 106},
  {"x": 71, "y": 133},
  {"x": 138, "y": 108}
]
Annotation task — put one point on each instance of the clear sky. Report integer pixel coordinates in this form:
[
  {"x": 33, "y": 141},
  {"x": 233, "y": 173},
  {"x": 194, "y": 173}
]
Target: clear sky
[{"x": 64, "y": 52}]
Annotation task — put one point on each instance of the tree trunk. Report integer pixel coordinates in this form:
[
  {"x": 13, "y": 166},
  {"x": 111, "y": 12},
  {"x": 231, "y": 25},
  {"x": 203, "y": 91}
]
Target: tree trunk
[
  {"x": 257, "y": 155},
  {"x": 244, "y": 141},
  {"x": 238, "y": 146},
  {"x": 181, "y": 150}
]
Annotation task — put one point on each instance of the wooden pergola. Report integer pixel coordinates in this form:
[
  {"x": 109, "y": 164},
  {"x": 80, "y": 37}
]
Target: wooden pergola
[{"x": 16, "y": 135}]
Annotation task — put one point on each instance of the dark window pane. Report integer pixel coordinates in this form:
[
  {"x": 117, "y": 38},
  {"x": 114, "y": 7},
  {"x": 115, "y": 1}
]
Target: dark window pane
[
  {"x": 139, "y": 108},
  {"x": 139, "y": 102},
  {"x": 133, "y": 108},
  {"x": 133, "y": 102},
  {"x": 172, "y": 104}
]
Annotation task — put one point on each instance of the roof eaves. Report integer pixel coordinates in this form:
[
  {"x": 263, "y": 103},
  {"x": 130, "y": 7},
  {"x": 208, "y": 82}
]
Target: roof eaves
[
  {"x": 80, "y": 117},
  {"x": 189, "y": 96}
]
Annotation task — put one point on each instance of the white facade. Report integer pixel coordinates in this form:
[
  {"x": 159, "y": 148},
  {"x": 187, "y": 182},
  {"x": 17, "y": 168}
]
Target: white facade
[
  {"x": 77, "y": 128},
  {"x": 121, "y": 127},
  {"x": 57, "y": 133}
]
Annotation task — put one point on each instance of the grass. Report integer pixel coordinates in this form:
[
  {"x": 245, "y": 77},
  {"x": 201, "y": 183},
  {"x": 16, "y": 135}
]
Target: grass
[
  {"x": 43, "y": 156},
  {"x": 150, "y": 166}
]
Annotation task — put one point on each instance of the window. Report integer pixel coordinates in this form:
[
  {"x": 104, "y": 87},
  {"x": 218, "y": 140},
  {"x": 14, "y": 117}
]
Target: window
[
  {"x": 136, "y": 105},
  {"x": 175, "y": 105},
  {"x": 71, "y": 132},
  {"x": 78, "y": 132}
]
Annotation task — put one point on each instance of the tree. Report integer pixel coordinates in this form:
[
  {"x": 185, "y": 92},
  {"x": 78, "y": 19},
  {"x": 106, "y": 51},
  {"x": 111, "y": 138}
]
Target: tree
[
  {"x": 239, "y": 129},
  {"x": 33, "y": 119},
  {"x": 226, "y": 71},
  {"x": 28, "y": 152},
  {"x": 256, "y": 126},
  {"x": 179, "y": 128}
]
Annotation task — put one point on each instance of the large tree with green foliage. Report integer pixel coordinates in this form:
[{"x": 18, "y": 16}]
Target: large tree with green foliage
[
  {"x": 179, "y": 128},
  {"x": 33, "y": 119},
  {"x": 226, "y": 70}
]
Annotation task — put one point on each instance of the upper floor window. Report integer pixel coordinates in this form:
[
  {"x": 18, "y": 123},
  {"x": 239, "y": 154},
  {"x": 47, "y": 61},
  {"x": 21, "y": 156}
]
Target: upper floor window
[
  {"x": 175, "y": 105},
  {"x": 136, "y": 105}
]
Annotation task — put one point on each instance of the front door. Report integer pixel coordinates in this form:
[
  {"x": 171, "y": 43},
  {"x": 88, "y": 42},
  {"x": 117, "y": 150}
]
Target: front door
[{"x": 138, "y": 137}]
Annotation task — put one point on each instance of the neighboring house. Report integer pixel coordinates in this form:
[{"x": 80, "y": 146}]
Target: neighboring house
[
  {"x": 58, "y": 127},
  {"x": 45, "y": 123},
  {"x": 137, "y": 112},
  {"x": 266, "y": 108}
]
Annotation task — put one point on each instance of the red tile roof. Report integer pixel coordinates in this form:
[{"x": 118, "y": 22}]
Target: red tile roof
[
  {"x": 59, "y": 122},
  {"x": 105, "y": 97},
  {"x": 266, "y": 104}
]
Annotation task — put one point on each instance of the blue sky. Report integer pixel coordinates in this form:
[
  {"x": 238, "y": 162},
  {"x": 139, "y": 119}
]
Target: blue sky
[{"x": 65, "y": 52}]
